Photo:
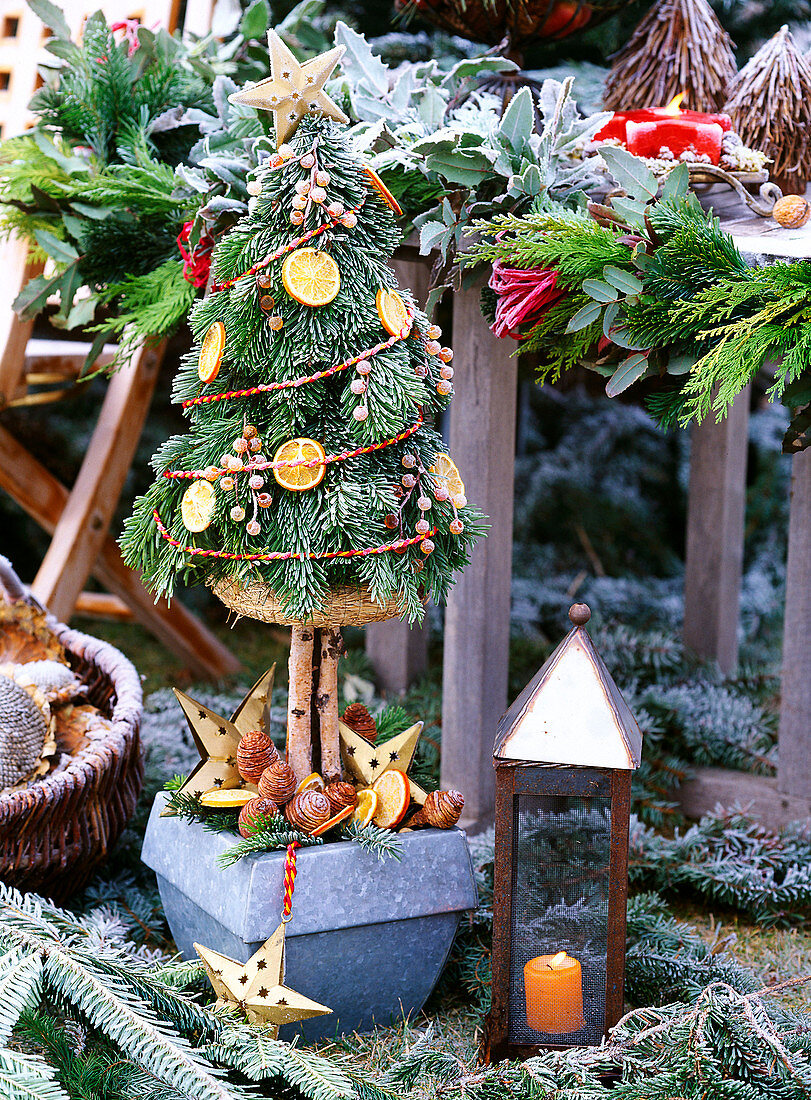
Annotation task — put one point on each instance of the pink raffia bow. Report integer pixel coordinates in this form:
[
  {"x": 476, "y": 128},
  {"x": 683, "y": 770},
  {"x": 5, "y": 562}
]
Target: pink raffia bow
[
  {"x": 130, "y": 28},
  {"x": 196, "y": 262},
  {"x": 523, "y": 295}
]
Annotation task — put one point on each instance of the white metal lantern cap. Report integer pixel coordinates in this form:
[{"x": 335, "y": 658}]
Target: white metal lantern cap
[{"x": 571, "y": 712}]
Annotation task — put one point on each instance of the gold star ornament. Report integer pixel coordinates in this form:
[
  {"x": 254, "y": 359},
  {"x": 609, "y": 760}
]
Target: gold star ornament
[
  {"x": 257, "y": 986},
  {"x": 293, "y": 90},
  {"x": 365, "y": 761},
  {"x": 217, "y": 738}
]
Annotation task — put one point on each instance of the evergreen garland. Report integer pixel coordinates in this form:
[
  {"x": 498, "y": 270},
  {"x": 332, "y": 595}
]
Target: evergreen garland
[{"x": 654, "y": 288}]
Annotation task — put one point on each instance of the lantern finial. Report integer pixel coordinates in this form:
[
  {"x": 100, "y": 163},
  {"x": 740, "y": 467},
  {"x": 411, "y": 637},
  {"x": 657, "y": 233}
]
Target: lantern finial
[{"x": 580, "y": 613}]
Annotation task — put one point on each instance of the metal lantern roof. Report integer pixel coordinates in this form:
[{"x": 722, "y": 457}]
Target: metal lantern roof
[{"x": 571, "y": 712}]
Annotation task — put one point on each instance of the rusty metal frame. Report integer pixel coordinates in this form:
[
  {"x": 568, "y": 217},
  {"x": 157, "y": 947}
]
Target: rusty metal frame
[{"x": 515, "y": 777}]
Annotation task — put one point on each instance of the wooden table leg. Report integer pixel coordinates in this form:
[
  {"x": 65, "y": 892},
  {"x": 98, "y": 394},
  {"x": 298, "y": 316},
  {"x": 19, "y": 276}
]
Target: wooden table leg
[
  {"x": 715, "y": 527},
  {"x": 477, "y": 620},
  {"x": 44, "y": 498},
  {"x": 398, "y": 652},
  {"x": 794, "y": 758},
  {"x": 85, "y": 520}
]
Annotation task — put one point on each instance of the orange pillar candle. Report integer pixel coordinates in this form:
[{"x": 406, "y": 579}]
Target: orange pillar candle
[{"x": 554, "y": 994}]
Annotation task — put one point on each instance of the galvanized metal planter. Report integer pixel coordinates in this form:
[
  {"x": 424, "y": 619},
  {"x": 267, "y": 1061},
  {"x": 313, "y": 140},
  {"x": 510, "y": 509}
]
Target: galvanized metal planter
[{"x": 368, "y": 938}]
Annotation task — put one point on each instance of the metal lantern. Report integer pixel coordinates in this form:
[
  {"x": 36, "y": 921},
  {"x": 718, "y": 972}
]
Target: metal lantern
[{"x": 563, "y": 756}]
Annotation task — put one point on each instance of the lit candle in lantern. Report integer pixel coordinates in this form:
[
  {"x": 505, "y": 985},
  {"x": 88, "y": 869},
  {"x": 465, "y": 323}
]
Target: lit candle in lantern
[
  {"x": 648, "y": 131},
  {"x": 554, "y": 994}
]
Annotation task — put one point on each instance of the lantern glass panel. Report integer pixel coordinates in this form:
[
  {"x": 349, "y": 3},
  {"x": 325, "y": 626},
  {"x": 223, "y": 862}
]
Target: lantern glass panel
[{"x": 560, "y": 884}]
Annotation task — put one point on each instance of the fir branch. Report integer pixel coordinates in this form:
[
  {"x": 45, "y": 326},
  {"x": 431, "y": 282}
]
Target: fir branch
[
  {"x": 277, "y": 835},
  {"x": 384, "y": 843}
]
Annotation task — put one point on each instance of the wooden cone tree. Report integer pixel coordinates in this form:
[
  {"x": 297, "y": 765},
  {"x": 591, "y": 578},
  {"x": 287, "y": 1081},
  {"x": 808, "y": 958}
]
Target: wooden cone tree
[
  {"x": 679, "y": 46},
  {"x": 770, "y": 106},
  {"x": 311, "y": 487}
]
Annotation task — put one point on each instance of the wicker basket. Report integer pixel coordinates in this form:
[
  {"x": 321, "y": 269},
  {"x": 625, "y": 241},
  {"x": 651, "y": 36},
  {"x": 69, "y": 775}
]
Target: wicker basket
[
  {"x": 349, "y": 605},
  {"x": 55, "y": 832}
]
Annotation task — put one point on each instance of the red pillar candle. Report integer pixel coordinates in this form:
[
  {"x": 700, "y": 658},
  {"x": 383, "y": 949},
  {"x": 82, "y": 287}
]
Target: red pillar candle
[
  {"x": 553, "y": 986},
  {"x": 679, "y": 135},
  {"x": 650, "y": 129}
]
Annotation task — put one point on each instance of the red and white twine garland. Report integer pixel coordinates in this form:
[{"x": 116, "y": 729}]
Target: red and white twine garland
[
  {"x": 295, "y": 383},
  {"x": 285, "y": 555},
  {"x": 255, "y": 467}
]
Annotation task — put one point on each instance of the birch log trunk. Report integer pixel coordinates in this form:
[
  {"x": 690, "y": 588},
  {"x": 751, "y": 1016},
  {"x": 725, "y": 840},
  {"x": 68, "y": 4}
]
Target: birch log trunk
[
  {"x": 299, "y": 698},
  {"x": 326, "y": 702}
]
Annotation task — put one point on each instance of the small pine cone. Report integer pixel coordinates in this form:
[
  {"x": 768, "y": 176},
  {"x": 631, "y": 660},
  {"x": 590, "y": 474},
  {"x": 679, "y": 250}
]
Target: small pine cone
[
  {"x": 792, "y": 211},
  {"x": 358, "y": 718},
  {"x": 278, "y": 782},
  {"x": 252, "y": 812},
  {"x": 442, "y": 810},
  {"x": 308, "y": 810},
  {"x": 255, "y": 752},
  {"x": 340, "y": 795}
]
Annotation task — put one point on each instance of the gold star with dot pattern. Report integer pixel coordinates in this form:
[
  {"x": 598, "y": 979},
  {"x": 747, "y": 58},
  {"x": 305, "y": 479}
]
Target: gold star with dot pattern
[
  {"x": 217, "y": 738},
  {"x": 293, "y": 90},
  {"x": 257, "y": 986},
  {"x": 366, "y": 761}
]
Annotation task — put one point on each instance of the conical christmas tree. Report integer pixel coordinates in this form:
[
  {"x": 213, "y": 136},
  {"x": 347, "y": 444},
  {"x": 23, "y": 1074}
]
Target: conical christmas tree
[
  {"x": 679, "y": 46},
  {"x": 770, "y": 107},
  {"x": 311, "y": 488}
]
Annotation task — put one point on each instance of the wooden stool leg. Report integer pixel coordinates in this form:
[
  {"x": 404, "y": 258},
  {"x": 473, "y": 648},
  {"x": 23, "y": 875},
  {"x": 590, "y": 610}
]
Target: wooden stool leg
[
  {"x": 43, "y": 497},
  {"x": 477, "y": 621},
  {"x": 794, "y": 759},
  {"x": 83, "y": 525},
  {"x": 715, "y": 526}
]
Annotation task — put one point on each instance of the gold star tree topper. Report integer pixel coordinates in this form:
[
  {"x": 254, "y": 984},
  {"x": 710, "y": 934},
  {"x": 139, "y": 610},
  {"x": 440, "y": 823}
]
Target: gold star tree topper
[
  {"x": 365, "y": 761},
  {"x": 217, "y": 738},
  {"x": 257, "y": 986},
  {"x": 293, "y": 90}
]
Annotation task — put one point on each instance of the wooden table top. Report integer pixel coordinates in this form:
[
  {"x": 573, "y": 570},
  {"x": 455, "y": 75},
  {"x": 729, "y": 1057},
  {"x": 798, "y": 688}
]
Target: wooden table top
[{"x": 754, "y": 235}]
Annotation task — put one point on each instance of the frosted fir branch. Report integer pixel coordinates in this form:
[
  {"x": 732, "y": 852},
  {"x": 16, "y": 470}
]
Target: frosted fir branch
[{"x": 384, "y": 843}]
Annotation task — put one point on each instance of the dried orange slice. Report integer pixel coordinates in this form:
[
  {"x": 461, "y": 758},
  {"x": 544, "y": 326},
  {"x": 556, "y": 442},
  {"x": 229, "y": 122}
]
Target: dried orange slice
[
  {"x": 208, "y": 364},
  {"x": 393, "y": 796},
  {"x": 392, "y": 311},
  {"x": 197, "y": 505},
  {"x": 444, "y": 470},
  {"x": 219, "y": 799},
  {"x": 336, "y": 819},
  {"x": 311, "y": 277},
  {"x": 313, "y": 782},
  {"x": 299, "y": 478},
  {"x": 382, "y": 190},
  {"x": 366, "y": 807}
]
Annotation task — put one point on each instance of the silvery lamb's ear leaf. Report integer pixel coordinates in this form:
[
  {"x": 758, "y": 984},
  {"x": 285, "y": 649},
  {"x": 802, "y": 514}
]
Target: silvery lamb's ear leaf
[
  {"x": 432, "y": 107},
  {"x": 256, "y": 20},
  {"x": 359, "y": 64},
  {"x": 517, "y": 121},
  {"x": 52, "y": 16}
]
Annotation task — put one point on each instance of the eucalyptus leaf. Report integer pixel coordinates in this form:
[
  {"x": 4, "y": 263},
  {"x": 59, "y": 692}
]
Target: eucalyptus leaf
[
  {"x": 599, "y": 291},
  {"x": 609, "y": 317},
  {"x": 631, "y": 173},
  {"x": 34, "y": 295},
  {"x": 584, "y": 317},
  {"x": 622, "y": 280},
  {"x": 677, "y": 183},
  {"x": 61, "y": 251},
  {"x": 629, "y": 371},
  {"x": 681, "y": 364}
]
